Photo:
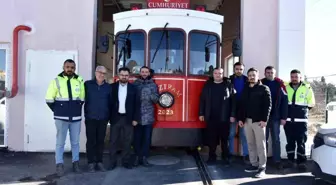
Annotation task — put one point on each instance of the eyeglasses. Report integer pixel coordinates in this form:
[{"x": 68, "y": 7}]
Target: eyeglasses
[{"x": 102, "y": 73}]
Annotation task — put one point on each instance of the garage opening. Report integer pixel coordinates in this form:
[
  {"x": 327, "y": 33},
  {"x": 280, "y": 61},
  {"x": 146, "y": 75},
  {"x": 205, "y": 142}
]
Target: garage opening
[
  {"x": 105, "y": 28},
  {"x": 106, "y": 55},
  {"x": 3, "y": 126}
]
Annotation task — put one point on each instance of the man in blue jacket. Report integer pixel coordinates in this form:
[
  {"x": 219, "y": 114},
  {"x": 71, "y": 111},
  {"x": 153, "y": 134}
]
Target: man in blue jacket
[
  {"x": 278, "y": 114},
  {"x": 239, "y": 81},
  {"x": 97, "y": 114}
]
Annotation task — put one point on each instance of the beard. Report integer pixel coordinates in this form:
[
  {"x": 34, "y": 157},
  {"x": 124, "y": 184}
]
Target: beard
[{"x": 123, "y": 80}]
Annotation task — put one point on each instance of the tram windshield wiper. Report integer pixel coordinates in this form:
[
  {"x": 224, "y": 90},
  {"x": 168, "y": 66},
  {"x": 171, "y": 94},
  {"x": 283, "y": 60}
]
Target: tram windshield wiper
[
  {"x": 158, "y": 47},
  {"x": 124, "y": 49}
]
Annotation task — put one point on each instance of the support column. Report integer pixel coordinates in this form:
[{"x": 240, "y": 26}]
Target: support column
[
  {"x": 291, "y": 37},
  {"x": 259, "y": 31}
]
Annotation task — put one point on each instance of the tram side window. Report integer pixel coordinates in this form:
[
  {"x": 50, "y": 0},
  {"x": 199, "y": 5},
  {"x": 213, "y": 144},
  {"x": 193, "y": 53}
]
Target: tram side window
[
  {"x": 137, "y": 57},
  {"x": 167, "y": 51},
  {"x": 202, "y": 44}
]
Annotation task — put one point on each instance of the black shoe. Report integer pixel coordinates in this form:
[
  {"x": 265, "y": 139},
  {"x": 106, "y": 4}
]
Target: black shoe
[
  {"x": 211, "y": 159},
  {"x": 278, "y": 166},
  {"x": 231, "y": 158},
  {"x": 60, "y": 169},
  {"x": 136, "y": 161},
  {"x": 289, "y": 164},
  {"x": 246, "y": 159},
  {"x": 100, "y": 167},
  {"x": 261, "y": 173},
  {"x": 302, "y": 167},
  {"x": 251, "y": 169},
  {"x": 112, "y": 166},
  {"x": 226, "y": 162},
  {"x": 127, "y": 166},
  {"x": 145, "y": 162},
  {"x": 75, "y": 167},
  {"x": 91, "y": 168}
]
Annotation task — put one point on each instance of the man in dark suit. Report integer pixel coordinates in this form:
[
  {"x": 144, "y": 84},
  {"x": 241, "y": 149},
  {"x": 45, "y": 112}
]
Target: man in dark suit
[{"x": 125, "y": 113}]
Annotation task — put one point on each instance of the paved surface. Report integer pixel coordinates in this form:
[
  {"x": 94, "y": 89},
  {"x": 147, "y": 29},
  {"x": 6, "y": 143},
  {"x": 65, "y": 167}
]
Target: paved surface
[{"x": 38, "y": 169}]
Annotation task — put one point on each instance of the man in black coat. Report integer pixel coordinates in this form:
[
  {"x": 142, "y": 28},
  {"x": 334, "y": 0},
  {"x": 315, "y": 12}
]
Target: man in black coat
[
  {"x": 125, "y": 113},
  {"x": 256, "y": 105},
  {"x": 217, "y": 109}
]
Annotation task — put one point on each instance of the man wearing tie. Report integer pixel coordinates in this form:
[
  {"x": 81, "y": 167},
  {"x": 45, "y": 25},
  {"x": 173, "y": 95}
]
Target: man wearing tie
[{"x": 124, "y": 116}]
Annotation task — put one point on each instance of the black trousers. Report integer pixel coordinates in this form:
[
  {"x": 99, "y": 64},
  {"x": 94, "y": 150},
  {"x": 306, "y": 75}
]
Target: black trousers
[
  {"x": 296, "y": 134},
  {"x": 122, "y": 132},
  {"x": 95, "y": 134},
  {"x": 217, "y": 131}
]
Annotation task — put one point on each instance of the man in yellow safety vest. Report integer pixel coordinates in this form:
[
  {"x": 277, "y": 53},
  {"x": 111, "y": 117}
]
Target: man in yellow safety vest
[
  {"x": 300, "y": 100},
  {"x": 65, "y": 97}
]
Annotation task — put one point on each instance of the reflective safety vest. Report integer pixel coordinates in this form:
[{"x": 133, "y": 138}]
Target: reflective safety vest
[
  {"x": 65, "y": 97},
  {"x": 299, "y": 102}
]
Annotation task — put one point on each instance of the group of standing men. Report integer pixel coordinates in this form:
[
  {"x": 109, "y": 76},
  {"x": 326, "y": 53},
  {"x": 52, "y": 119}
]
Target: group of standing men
[
  {"x": 259, "y": 107},
  {"x": 129, "y": 107}
]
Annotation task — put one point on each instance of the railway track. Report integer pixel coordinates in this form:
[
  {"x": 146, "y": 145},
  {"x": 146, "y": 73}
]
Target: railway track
[{"x": 202, "y": 168}]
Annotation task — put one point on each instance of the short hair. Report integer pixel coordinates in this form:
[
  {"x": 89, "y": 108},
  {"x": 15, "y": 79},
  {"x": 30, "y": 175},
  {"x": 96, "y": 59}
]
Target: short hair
[
  {"x": 145, "y": 67},
  {"x": 124, "y": 69},
  {"x": 269, "y": 68},
  {"x": 238, "y": 64},
  {"x": 100, "y": 68},
  {"x": 295, "y": 71},
  {"x": 218, "y": 68},
  {"x": 252, "y": 69},
  {"x": 69, "y": 61}
]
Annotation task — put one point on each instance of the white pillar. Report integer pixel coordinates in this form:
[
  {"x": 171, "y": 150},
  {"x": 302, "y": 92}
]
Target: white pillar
[
  {"x": 291, "y": 37},
  {"x": 259, "y": 31}
]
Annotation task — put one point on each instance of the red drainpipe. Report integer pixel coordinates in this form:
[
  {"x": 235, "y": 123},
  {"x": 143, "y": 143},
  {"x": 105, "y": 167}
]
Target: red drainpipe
[{"x": 12, "y": 93}]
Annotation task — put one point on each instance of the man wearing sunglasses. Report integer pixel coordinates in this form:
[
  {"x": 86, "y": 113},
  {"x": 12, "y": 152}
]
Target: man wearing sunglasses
[{"x": 65, "y": 97}]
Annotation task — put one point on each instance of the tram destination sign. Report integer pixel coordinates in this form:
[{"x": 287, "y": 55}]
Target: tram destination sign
[{"x": 179, "y": 4}]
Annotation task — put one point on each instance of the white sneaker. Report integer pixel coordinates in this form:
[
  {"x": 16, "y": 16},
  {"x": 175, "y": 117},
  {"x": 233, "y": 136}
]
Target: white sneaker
[{"x": 261, "y": 173}]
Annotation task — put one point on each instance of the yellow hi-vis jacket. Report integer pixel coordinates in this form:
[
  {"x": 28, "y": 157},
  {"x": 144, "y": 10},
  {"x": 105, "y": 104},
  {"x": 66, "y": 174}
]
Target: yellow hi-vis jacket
[
  {"x": 299, "y": 102},
  {"x": 65, "y": 97}
]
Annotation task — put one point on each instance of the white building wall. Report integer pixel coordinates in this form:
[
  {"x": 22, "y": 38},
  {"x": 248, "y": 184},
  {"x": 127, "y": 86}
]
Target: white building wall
[
  {"x": 291, "y": 36},
  {"x": 259, "y": 30},
  {"x": 57, "y": 25}
]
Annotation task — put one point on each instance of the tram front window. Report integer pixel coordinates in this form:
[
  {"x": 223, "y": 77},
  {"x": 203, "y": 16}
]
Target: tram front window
[
  {"x": 137, "y": 51},
  {"x": 167, "y": 51},
  {"x": 202, "y": 44}
]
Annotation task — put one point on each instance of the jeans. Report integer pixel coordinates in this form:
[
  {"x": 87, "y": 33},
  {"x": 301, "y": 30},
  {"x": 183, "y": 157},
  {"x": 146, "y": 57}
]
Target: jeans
[
  {"x": 233, "y": 127},
  {"x": 62, "y": 128},
  {"x": 95, "y": 134},
  {"x": 274, "y": 128},
  {"x": 142, "y": 139}
]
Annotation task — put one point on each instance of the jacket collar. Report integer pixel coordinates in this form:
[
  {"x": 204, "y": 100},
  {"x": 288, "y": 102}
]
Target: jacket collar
[{"x": 74, "y": 76}]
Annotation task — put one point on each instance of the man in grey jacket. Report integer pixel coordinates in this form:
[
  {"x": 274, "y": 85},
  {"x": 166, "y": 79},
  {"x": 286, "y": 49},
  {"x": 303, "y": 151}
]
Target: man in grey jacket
[{"x": 149, "y": 95}]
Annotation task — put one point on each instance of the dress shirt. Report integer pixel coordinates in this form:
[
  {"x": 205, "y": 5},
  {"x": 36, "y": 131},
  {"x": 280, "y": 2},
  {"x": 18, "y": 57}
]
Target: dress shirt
[{"x": 122, "y": 93}]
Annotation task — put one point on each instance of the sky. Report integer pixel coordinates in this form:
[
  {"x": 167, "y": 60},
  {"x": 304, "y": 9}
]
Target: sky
[
  {"x": 2, "y": 59},
  {"x": 320, "y": 38}
]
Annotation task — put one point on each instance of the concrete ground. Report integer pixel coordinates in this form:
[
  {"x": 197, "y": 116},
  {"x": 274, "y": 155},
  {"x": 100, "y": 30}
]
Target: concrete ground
[{"x": 38, "y": 169}]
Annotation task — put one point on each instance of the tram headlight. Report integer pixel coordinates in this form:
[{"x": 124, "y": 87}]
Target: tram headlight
[{"x": 166, "y": 100}]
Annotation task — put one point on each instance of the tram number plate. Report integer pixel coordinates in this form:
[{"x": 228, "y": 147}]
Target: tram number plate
[{"x": 167, "y": 112}]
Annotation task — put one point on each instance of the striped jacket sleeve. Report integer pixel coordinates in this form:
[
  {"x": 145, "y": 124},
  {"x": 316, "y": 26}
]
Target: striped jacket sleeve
[{"x": 51, "y": 94}]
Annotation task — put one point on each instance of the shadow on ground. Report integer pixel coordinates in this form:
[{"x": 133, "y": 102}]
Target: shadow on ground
[{"x": 39, "y": 168}]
